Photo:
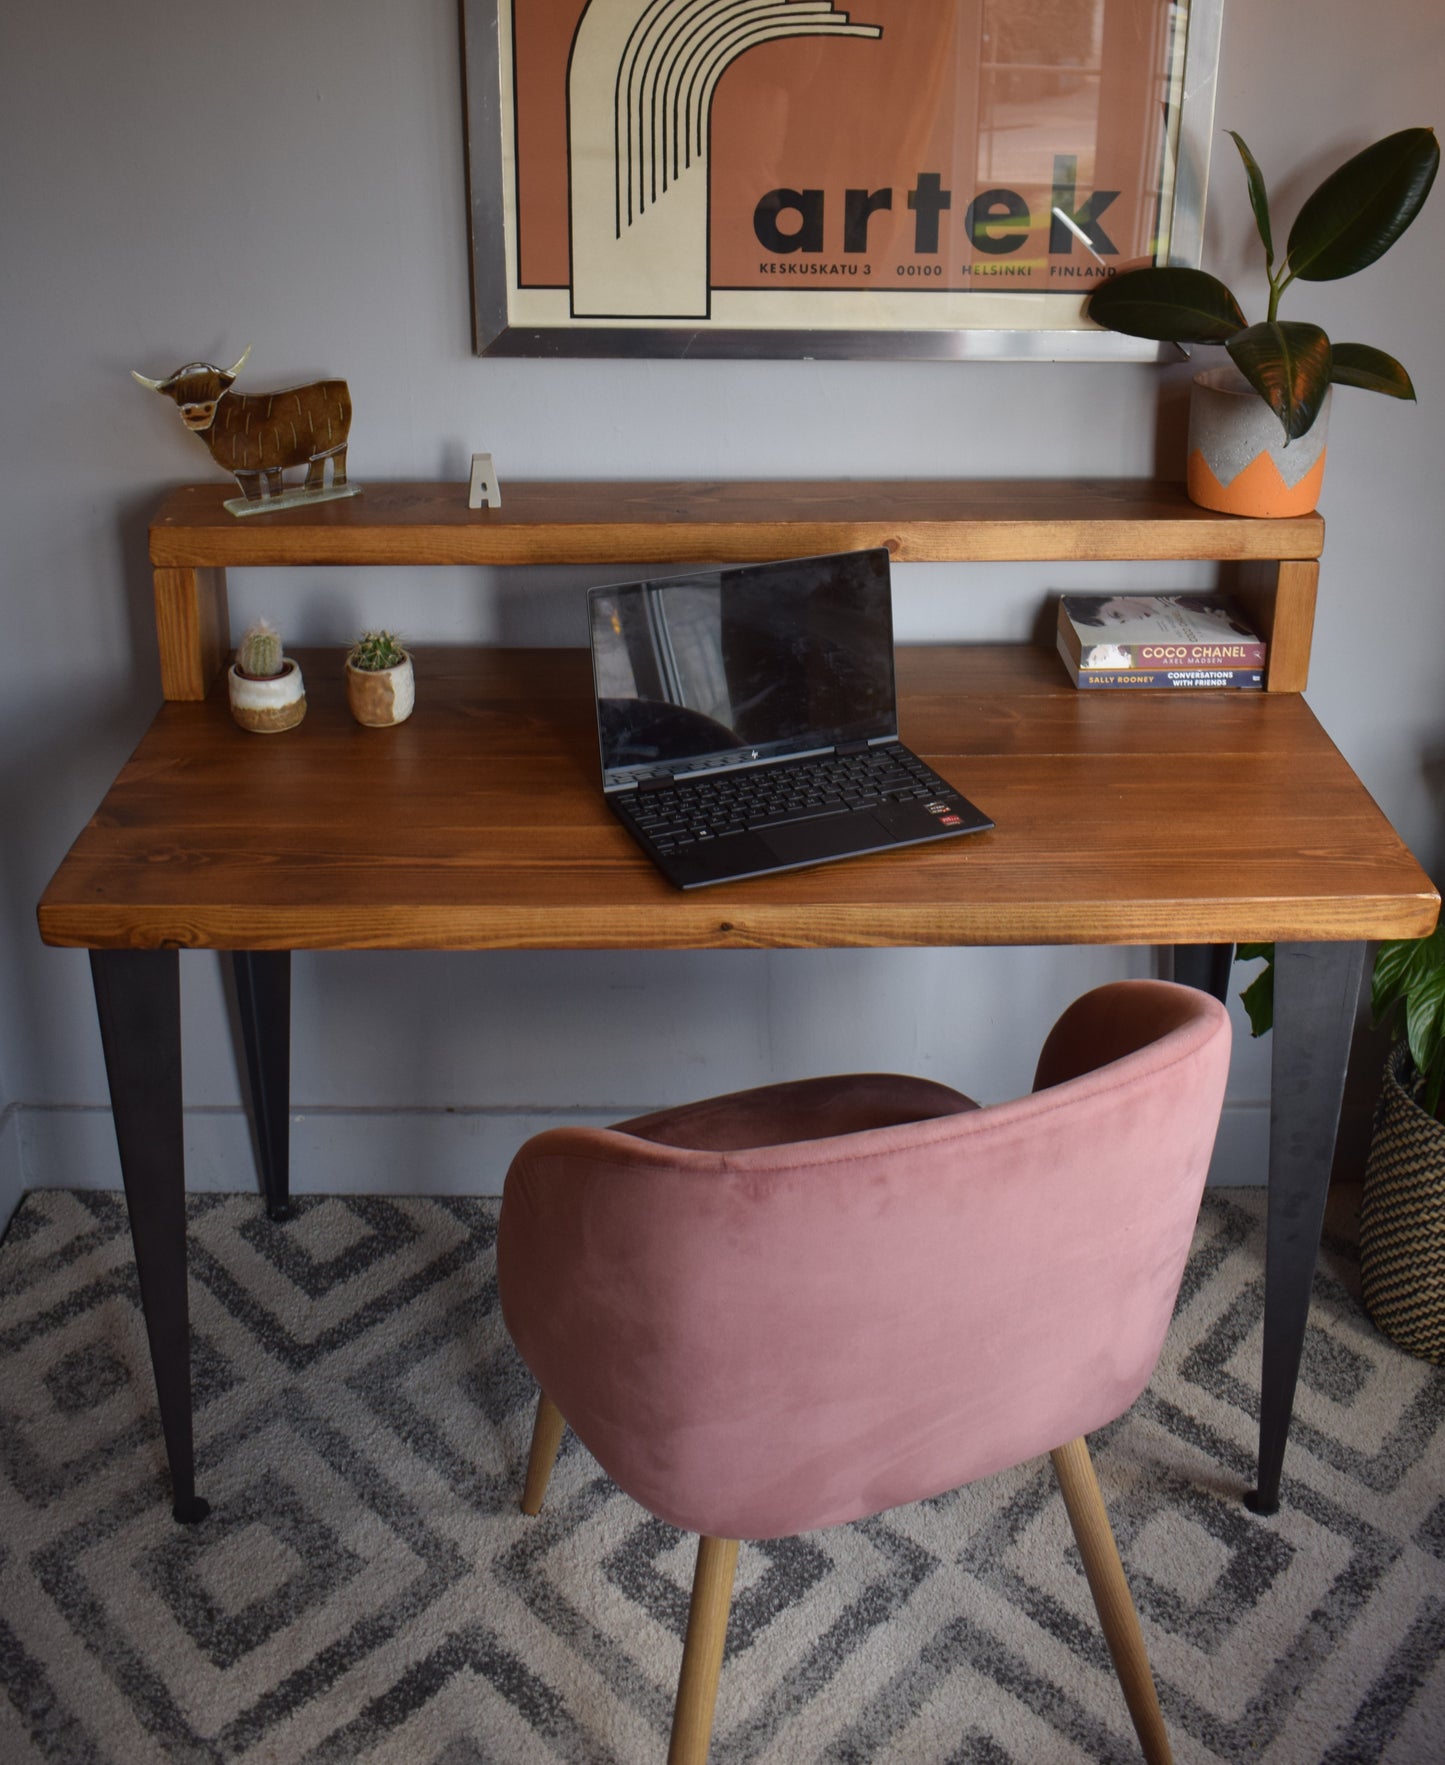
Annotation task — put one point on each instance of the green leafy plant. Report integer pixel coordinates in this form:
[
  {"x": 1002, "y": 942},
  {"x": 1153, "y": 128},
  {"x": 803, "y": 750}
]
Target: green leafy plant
[
  {"x": 1354, "y": 217},
  {"x": 375, "y": 650},
  {"x": 1258, "y": 997},
  {"x": 1407, "y": 994},
  {"x": 259, "y": 655}
]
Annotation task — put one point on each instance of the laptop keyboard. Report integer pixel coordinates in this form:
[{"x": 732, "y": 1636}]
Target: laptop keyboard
[{"x": 682, "y": 814}]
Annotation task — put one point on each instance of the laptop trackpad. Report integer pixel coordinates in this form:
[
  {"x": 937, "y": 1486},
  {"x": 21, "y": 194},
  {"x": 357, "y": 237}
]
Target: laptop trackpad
[{"x": 826, "y": 836}]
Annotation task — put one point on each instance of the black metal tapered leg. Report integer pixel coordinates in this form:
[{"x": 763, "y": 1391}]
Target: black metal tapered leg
[
  {"x": 1205, "y": 966},
  {"x": 263, "y": 996},
  {"x": 138, "y": 999},
  {"x": 1316, "y": 990}
]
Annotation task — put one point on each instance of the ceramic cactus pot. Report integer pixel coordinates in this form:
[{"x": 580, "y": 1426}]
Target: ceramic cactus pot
[
  {"x": 267, "y": 706},
  {"x": 380, "y": 697},
  {"x": 1238, "y": 461}
]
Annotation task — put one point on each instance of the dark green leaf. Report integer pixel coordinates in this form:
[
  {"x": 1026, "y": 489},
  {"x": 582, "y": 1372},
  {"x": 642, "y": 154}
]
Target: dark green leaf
[
  {"x": 1356, "y": 364},
  {"x": 1258, "y": 196},
  {"x": 1170, "y": 305},
  {"x": 1410, "y": 972},
  {"x": 1360, "y": 210},
  {"x": 1392, "y": 964},
  {"x": 1288, "y": 365},
  {"x": 1423, "y": 1015},
  {"x": 1258, "y": 998},
  {"x": 1402, "y": 965}
]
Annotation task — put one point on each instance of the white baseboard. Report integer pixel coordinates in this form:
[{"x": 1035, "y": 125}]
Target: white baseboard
[
  {"x": 393, "y": 1152},
  {"x": 396, "y": 1152}
]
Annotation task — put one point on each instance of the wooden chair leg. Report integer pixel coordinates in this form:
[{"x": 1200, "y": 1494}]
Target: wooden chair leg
[
  {"x": 707, "y": 1628},
  {"x": 546, "y": 1439},
  {"x": 1095, "y": 1539}
]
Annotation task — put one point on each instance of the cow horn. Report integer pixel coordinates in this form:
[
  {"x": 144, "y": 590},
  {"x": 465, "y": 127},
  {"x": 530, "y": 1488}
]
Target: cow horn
[
  {"x": 231, "y": 373},
  {"x": 155, "y": 385}
]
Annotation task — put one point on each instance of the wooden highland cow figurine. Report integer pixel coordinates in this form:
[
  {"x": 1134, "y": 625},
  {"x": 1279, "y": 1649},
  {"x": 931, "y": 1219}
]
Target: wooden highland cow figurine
[{"x": 257, "y": 436}]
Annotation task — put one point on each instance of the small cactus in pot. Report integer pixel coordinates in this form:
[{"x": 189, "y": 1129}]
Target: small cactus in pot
[
  {"x": 380, "y": 681},
  {"x": 266, "y": 690}
]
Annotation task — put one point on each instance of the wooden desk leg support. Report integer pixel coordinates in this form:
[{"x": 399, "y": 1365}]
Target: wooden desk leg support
[
  {"x": 1316, "y": 991},
  {"x": 138, "y": 999},
  {"x": 263, "y": 997}
]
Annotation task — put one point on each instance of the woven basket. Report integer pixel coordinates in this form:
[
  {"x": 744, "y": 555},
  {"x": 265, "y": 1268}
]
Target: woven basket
[{"x": 1402, "y": 1217}]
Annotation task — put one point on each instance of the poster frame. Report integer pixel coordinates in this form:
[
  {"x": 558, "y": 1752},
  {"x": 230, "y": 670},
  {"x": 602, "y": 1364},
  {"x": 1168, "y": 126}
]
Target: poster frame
[{"x": 1070, "y": 337}]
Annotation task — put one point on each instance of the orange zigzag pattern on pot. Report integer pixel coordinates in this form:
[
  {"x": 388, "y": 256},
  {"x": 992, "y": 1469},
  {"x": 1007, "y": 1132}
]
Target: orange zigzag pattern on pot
[{"x": 1257, "y": 490}]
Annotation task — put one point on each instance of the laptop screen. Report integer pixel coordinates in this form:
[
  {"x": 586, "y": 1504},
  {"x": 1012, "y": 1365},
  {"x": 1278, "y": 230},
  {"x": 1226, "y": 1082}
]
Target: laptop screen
[{"x": 751, "y": 661}]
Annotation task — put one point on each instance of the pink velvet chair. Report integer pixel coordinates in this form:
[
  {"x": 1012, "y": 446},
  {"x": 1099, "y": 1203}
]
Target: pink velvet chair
[{"x": 796, "y": 1306}]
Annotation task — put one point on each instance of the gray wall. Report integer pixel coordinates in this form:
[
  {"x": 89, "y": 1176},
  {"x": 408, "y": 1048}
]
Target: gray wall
[{"x": 181, "y": 180}]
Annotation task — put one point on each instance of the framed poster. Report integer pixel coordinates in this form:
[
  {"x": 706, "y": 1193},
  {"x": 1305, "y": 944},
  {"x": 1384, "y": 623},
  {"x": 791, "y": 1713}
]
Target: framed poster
[{"x": 791, "y": 178}]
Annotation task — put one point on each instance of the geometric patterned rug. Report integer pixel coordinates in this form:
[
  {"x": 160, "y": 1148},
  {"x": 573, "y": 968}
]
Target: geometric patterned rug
[{"x": 366, "y": 1591}]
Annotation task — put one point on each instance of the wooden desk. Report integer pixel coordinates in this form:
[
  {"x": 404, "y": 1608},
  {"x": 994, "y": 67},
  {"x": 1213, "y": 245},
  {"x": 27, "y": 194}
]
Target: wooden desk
[{"x": 1190, "y": 819}]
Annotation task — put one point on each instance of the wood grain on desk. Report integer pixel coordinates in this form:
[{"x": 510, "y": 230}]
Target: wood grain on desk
[
  {"x": 1129, "y": 817},
  {"x": 1274, "y": 564},
  {"x": 551, "y": 522}
]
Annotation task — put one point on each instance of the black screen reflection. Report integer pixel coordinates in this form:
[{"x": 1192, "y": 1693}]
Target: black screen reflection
[{"x": 778, "y": 657}]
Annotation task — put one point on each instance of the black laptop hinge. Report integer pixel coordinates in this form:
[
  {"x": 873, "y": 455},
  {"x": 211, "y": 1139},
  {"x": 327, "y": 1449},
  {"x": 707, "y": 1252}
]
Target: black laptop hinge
[
  {"x": 653, "y": 784},
  {"x": 860, "y": 747}
]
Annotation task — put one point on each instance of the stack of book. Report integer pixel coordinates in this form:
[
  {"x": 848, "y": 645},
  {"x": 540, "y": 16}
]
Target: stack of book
[{"x": 1158, "y": 640}]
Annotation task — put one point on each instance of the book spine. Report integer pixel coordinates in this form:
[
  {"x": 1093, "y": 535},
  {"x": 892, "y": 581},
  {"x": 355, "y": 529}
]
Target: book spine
[{"x": 1168, "y": 677}]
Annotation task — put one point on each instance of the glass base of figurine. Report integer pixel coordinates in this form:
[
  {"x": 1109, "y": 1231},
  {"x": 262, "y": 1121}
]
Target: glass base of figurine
[{"x": 289, "y": 499}]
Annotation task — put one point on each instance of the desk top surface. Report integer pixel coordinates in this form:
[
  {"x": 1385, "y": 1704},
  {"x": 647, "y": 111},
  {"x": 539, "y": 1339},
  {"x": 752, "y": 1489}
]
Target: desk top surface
[{"x": 1132, "y": 817}]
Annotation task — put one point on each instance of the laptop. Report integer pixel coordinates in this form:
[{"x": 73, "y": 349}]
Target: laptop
[{"x": 748, "y": 722}]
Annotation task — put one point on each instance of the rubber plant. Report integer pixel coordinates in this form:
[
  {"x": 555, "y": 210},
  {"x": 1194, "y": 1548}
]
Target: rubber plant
[
  {"x": 1407, "y": 994},
  {"x": 1352, "y": 219}
]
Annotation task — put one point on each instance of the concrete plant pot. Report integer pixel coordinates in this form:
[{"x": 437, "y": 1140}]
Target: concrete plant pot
[
  {"x": 380, "y": 697},
  {"x": 1238, "y": 461},
  {"x": 266, "y": 707}
]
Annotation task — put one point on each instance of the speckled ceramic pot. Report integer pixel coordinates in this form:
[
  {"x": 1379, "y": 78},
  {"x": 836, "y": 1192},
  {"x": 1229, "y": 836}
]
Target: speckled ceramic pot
[
  {"x": 266, "y": 707},
  {"x": 1238, "y": 461},
  {"x": 381, "y": 696}
]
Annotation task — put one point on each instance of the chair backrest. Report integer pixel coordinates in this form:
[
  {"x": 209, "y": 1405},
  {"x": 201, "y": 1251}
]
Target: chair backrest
[{"x": 762, "y": 1341}]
